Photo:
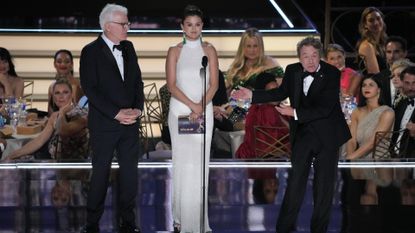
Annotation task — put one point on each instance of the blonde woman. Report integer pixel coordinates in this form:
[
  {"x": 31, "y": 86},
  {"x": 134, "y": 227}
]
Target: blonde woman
[
  {"x": 250, "y": 61},
  {"x": 396, "y": 69}
]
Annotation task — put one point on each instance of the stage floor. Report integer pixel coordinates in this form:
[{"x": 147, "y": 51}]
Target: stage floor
[{"x": 242, "y": 198}]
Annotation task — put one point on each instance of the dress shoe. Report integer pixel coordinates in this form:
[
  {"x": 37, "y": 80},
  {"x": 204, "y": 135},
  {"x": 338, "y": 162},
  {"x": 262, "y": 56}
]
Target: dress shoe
[
  {"x": 90, "y": 229},
  {"x": 129, "y": 229},
  {"x": 176, "y": 230}
]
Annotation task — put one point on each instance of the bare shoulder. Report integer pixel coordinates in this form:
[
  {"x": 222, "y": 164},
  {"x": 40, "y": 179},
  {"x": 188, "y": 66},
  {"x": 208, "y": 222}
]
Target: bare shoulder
[
  {"x": 208, "y": 47},
  {"x": 366, "y": 47},
  {"x": 270, "y": 62},
  {"x": 388, "y": 114},
  {"x": 174, "y": 50}
]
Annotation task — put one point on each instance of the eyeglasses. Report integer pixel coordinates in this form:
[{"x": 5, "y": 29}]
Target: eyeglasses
[{"x": 124, "y": 25}]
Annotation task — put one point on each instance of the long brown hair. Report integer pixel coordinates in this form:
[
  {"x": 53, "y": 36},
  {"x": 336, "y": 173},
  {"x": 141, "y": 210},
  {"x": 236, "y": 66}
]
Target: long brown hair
[{"x": 368, "y": 35}]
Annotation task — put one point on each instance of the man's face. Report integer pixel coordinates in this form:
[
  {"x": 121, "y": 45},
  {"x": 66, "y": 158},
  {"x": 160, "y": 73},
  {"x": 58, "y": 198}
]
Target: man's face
[
  {"x": 394, "y": 52},
  {"x": 309, "y": 58},
  {"x": 116, "y": 30},
  {"x": 409, "y": 85}
]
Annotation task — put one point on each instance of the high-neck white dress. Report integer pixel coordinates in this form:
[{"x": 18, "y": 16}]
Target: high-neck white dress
[{"x": 187, "y": 149}]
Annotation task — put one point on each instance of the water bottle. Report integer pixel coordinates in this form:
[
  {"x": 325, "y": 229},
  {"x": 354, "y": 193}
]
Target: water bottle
[{"x": 22, "y": 113}]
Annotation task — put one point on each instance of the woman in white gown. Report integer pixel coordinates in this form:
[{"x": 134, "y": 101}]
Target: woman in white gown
[{"x": 185, "y": 83}]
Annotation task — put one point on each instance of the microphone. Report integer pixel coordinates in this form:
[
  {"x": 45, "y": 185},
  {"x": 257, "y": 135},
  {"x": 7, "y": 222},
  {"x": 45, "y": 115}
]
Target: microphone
[{"x": 204, "y": 61}]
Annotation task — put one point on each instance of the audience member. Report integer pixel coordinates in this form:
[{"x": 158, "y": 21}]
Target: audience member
[
  {"x": 12, "y": 83},
  {"x": 371, "y": 46},
  {"x": 396, "y": 88},
  {"x": 369, "y": 117},
  {"x": 405, "y": 116},
  {"x": 349, "y": 79},
  {"x": 63, "y": 63},
  {"x": 396, "y": 49},
  {"x": 66, "y": 129}
]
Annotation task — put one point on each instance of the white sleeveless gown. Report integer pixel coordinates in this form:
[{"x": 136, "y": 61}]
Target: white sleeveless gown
[{"x": 187, "y": 149}]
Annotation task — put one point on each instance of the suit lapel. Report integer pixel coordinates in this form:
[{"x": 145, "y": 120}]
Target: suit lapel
[
  {"x": 298, "y": 87},
  {"x": 317, "y": 83},
  {"x": 108, "y": 54}
]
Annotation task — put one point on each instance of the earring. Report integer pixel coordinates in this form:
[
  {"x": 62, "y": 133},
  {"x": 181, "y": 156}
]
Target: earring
[
  {"x": 184, "y": 38},
  {"x": 201, "y": 40}
]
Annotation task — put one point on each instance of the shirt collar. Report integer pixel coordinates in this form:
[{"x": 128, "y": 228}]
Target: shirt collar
[{"x": 107, "y": 41}]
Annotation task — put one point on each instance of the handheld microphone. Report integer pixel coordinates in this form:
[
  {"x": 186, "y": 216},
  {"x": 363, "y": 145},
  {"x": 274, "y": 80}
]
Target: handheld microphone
[{"x": 204, "y": 61}]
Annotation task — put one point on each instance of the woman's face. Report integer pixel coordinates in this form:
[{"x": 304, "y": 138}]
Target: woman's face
[
  {"x": 4, "y": 66},
  {"x": 251, "y": 49},
  {"x": 63, "y": 64},
  {"x": 336, "y": 58},
  {"x": 192, "y": 27},
  {"x": 370, "y": 89},
  {"x": 62, "y": 95},
  {"x": 396, "y": 80},
  {"x": 374, "y": 22}
]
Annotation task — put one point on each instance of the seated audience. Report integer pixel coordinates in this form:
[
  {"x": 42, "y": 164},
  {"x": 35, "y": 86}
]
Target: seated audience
[
  {"x": 369, "y": 117},
  {"x": 350, "y": 79},
  {"x": 405, "y": 116},
  {"x": 396, "y": 49},
  {"x": 397, "y": 67},
  {"x": 12, "y": 83},
  {"x": 66, "y": 130},
  {"x": 262, "y": 115},
  {"x": 63, "y": 63}
]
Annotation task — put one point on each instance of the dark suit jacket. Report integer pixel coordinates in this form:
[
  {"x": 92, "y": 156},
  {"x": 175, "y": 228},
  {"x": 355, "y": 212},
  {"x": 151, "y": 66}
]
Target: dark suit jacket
[
  {"x": 409, "y": 142},
  {"x": 103, "y": 85},
  {"x": 325, "y": 116},
  {"x": 385, "y": 78}
]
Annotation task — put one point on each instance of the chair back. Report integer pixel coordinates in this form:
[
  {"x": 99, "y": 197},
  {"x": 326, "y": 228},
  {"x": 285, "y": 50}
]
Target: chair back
[
  {"x": 28, "y": 92},
  {"x": 384, "y": 147},
  {"x": 272, "y": 142}
]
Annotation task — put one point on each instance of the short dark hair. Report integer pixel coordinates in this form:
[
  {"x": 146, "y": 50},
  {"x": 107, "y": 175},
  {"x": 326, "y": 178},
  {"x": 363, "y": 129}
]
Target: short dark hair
[
  {"x": 310, "y": 41},
  {"x": 397, "y": 39},
  {"x": 377, "y": 79},
  {"x": 408, "y": 70}
]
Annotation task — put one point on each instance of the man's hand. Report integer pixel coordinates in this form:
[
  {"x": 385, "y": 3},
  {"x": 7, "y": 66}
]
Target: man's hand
[
  {"x": 242, "y": 94},
  {"x": 128, "y": 116},
  {"x": 285, "y": 110},
  {"x": 219, "y": 112}
]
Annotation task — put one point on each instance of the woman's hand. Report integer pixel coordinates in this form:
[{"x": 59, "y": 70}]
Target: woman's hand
[
  {"x": 193, "y": 116},
  {"x": 65, "y": 109},
  {"x": 197, "y": 108}
]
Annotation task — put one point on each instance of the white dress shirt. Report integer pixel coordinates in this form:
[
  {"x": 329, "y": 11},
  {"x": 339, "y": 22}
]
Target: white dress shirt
[{"x": 117, "y": 55}]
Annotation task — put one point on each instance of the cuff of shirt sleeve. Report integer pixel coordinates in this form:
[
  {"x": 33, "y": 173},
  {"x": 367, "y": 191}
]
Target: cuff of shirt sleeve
[{"x": 295, "y": 115}]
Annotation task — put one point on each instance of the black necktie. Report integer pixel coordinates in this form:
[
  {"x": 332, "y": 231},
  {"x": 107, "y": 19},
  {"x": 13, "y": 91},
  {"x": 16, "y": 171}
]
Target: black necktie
[
  {"x": 117, "y": 46},
  {"x": 411, "y": 101}
]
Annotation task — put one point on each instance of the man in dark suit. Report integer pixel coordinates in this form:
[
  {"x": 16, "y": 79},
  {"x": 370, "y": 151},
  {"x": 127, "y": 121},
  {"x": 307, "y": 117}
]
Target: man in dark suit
[
  {"x": 395, "y": 49},
  {"x": 405, "y": 115},
  {"x": 111, "y": 79},
  {"x": 317, "y": 130}
]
